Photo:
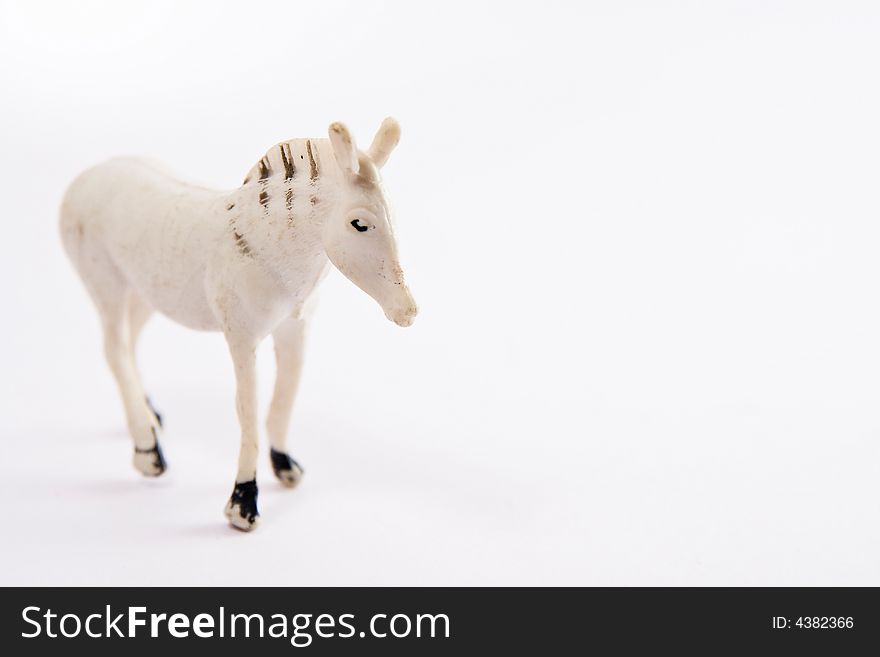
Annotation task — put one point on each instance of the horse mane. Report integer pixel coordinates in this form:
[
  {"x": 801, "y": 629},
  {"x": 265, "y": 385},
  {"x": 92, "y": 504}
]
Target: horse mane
[{"x": 277, "y": 159}]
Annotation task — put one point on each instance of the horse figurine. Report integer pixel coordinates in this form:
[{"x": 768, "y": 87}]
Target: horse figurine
[{"x": 245, "y": 262}]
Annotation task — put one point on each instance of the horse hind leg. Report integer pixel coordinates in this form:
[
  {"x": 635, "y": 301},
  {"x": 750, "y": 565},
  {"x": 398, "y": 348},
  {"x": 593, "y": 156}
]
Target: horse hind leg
[
  {"x": 112, "y": 296},
  {"x": 289, "y": 339},
  {"x": 139, "y": 311},
  {"x": 142, "y": 422}
]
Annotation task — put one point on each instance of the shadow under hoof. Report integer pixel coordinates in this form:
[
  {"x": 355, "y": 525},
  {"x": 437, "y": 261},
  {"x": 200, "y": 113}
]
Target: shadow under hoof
[
  {"x": 241, "y": 510},
  {"x": 288, "y": 471}
]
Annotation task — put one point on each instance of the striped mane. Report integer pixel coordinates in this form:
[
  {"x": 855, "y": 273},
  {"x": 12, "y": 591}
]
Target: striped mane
[{"x": 287, "y": 158}]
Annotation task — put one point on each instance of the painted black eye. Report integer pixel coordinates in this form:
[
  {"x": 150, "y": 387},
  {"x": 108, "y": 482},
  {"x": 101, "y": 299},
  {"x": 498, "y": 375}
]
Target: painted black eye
[{"x": 357, "y": 224}]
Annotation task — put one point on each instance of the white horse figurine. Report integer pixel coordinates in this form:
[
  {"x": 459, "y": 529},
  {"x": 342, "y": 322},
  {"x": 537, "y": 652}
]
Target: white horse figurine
[{"x": 246, "y": 262}]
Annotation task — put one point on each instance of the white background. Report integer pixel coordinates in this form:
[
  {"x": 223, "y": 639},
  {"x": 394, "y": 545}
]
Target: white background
[{"x": 643, "y": 239}]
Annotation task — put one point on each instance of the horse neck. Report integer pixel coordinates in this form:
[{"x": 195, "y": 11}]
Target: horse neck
[{"x": 281, "y": 207}]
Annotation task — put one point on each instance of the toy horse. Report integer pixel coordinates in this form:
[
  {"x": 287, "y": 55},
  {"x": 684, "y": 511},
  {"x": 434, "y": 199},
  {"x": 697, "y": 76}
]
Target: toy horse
[{"x": 245, "y": 262}]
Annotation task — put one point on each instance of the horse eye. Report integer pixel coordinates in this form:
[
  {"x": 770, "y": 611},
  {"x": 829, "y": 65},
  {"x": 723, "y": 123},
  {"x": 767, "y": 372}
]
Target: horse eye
[{"x": 357, "y": 224}]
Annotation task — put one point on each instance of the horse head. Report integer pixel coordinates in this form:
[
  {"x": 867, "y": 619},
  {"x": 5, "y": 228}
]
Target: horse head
[{"x": 358, "y": 236}]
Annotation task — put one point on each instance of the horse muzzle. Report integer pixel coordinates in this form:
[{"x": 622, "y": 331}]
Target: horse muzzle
[{"x": 403, "y": 314}]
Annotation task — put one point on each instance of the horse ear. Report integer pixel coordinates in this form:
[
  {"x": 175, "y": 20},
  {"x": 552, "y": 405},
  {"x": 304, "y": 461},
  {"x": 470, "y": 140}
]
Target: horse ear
[
  {"x": 343, "y": 147},
  {"x": 384, "y": 142}
]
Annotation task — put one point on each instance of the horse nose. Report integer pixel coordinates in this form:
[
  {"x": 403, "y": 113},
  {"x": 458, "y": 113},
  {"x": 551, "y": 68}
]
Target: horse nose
[
  {"x": 409, "y": 315},
  {"x": 405, "y": 313}
]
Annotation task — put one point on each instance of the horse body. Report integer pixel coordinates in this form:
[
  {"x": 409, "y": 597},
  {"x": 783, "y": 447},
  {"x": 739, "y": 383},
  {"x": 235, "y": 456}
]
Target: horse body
[
  {"x": 246, "y": 262},
  {"x": 177, "y": 244}
]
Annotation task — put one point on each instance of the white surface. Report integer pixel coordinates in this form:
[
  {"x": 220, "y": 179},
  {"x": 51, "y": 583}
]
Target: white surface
[{"x": 644, "y": 245}]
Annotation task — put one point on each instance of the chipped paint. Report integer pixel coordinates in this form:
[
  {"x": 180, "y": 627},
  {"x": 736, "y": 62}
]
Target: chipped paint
[{"x": 243, "y": 247}]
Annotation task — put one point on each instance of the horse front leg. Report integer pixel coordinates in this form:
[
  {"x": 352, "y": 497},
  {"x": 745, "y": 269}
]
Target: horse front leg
[
  {"x": 289, "y": 340},
  {"x": 241, "y": 510}
]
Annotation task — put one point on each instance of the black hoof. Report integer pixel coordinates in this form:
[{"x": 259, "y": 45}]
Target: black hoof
[
  {"x": 288, "y": 471},
  {"x": 156, "y": 413},
  {"x": 241, "y": 510},
  {"x": 150, "y": 462}
]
